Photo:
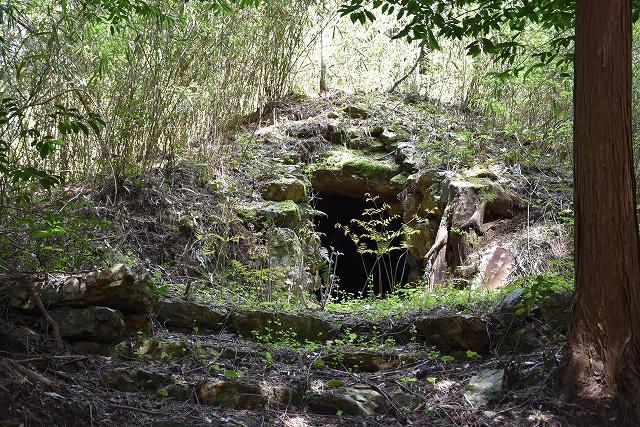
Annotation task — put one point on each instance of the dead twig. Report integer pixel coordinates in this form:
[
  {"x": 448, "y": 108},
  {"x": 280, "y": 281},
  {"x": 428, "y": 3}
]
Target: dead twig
[
  {"x": 406, "y": 76},
  {"x": 49, "y": 358},
  {"x": 132, "y": 408}
]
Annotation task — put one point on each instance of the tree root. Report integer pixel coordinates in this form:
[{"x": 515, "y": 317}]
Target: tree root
[
  {"x": 443, "y": 234},
  {"x": 476, "y": 220}
]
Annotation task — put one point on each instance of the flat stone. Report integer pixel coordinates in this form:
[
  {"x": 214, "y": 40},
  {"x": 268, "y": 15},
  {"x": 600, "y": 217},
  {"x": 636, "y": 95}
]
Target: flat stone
[
  {"x": 300, "y": 327},
  {"x": 128, "y": 379},
  {"x": 187, "y": 315},
  {"x": 263, "y": 214},
  {"x": 99, "y": 324},
  {"x": 367, "y": 361},
  {"x": 353, "y": 173},
  {"x": 484, "y": 387},
  {"x": 455, "y": 332},
  {"x": 116, "y": 287},
  {"x": 283, "y": 396},
  {"x": 405, "y": 401},
  {"x": 151, "y": 348},
  {"x": 231, "y": 394},
  {"x": 356, "y": 112},
  {"x": 347, "y": 400}
]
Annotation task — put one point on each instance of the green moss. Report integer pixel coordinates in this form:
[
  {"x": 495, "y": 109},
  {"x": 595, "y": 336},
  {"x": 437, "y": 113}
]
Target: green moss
[
  {"x": 353, "y": 162},
  {"x": 246, "y": 213},
  {"x": 286, "y": 206},
  {"x": 284, "y": 214},
  {"x": 368, "y": 168},
  {"x": 400, "y": 179},
  {"x": 284, "y": 189}
]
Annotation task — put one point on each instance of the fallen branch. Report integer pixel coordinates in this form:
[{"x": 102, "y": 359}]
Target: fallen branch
[
  {"x": 132, "y": 408},
  {"x": 406, "y": 76},
  {"x": 35, "y": 376},
  {"x": 27, "y": 282},
  {"x": 49, "y": 358}
]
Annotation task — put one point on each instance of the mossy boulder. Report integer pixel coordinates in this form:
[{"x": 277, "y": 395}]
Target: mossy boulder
[
  {"x": 263, "y": 214},
  {"x": 391, "y": 138},
  {"x": 231, "y": 394},
  {"x": 356, "y": 112},
  {"x": 485, "y": 185},
  {"x": 286, "y": 252},
  {"x": 286, "y": 188},
  {"x": 399, "y": 180},
  {"x": 555, "y": 309},
  {"x": 340, "y": 134},
  {"x": 353, "y": 173}
]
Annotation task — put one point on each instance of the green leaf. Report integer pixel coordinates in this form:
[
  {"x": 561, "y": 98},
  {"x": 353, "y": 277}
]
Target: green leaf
[
  {"x": 232, "y": 374},
  {"x": 472, "y": 354},
  {"x": 318, "y": 363},
  {"x": 473, "y": 49},
  {"x": 334, "y": 383}
]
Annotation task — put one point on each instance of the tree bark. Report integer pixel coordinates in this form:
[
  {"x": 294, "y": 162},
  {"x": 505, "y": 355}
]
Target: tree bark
[{"x": 603, "y": 353}]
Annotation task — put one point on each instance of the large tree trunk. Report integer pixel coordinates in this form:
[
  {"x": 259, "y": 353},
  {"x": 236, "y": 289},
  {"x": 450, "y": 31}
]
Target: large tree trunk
[{"x": 603, "y": 353}]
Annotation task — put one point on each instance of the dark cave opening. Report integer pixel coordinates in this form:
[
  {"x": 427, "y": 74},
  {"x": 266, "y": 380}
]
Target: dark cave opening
[{"x": 353, "y": 268}]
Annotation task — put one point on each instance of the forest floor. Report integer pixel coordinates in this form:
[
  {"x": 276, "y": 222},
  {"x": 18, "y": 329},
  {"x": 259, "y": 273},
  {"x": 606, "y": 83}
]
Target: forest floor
[
  {"x": 394, "y": 362},
  {"x": 171, "y": 385}
]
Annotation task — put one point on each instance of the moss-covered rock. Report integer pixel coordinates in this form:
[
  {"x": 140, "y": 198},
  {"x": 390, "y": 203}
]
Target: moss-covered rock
[
  {"x": 400, "y": 179},
  {"x": 356, "y": 112},
  {"x": 392, "y": 137},
  {"x": 155, "y": 349},
  {"x": 231, "y": 394},
  {"x": 347, "y": 400},
  {"x": 262, "y": 214},
  {"x": 368, "y": 168},
  {"x": 281, "y": 326},
  {"x": 353, "y": 173},
  {"x": 286, "y": 188},
  {"x": 132, "y": 380}
]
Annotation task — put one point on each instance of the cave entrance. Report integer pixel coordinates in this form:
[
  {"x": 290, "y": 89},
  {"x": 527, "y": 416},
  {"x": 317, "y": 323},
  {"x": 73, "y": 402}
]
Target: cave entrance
[{"x": 353, "y": 268}]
